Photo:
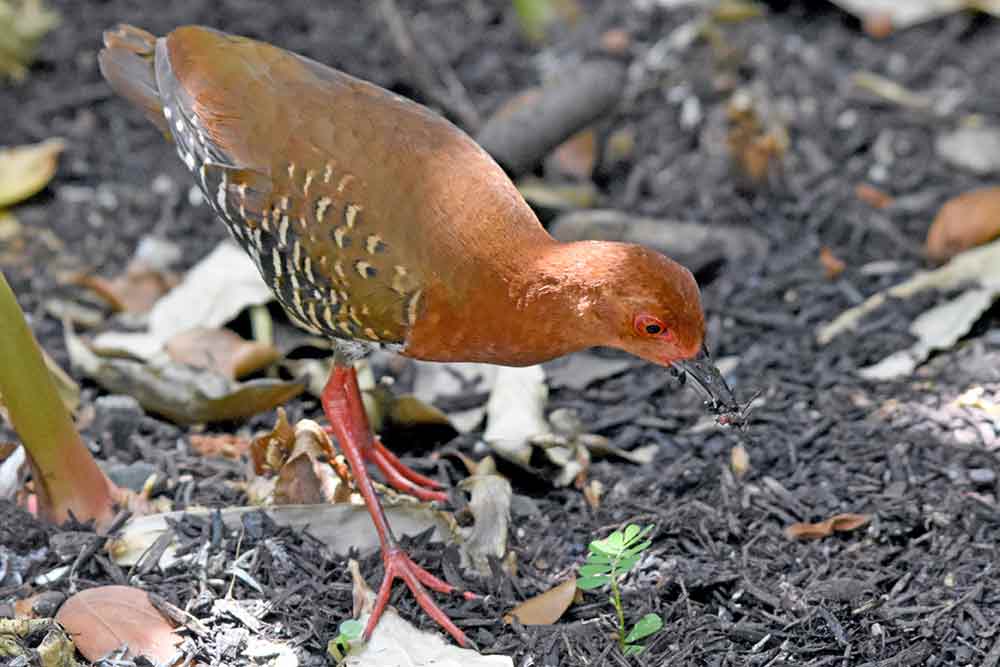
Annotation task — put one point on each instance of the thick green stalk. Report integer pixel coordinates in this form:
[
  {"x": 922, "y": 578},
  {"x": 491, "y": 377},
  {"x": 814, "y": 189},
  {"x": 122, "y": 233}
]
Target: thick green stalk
[{"x": 66, "y": 476}]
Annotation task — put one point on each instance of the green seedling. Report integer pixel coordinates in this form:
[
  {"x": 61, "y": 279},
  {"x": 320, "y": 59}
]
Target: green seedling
[
  {"x": 609, "y": 560},
  {"x": 339, "y": 646},
  {"x": 65, "y": 475}
]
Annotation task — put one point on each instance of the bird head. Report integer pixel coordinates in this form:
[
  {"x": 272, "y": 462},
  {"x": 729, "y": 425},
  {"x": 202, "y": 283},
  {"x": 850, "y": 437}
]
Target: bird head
[{"x": 652, "y": 307}]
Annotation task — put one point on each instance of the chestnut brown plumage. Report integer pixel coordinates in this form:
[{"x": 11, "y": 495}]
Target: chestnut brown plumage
[{"x": 378, "y": 222}]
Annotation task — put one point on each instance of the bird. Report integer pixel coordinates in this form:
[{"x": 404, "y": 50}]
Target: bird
[{"x": 377, "y": 223}]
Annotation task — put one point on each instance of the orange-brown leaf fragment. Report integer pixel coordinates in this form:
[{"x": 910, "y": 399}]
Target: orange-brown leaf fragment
[
  {"x": 878, "y": 24},
  {"x": 221, "y": 350},
  {"x": 222, "y": 445},
  {"x": 577, "y": 155},
  {"x": 546, "y": 608},
  {"x": 840, "y": 523},
  {"x": 833, "y": 266},
  {"x": 872, "y": 196},
  {"x": 102, "y": 619},
  {"x": 966, "y": 221}
]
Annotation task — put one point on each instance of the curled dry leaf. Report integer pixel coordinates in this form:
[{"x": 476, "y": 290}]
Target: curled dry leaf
[
  {"x": 840, "y": 523},
  {"x": 270, "y": 450},
  {"x": 135, "y": 291},
  {"x": 833, "y": 266},
  {"x": 103, "y": 619},
  {"x": 490, "y": 498},
  {"x": 968, "y": 220},
  {"x": 545, "y": 608},
  {"x": 221, "y": 350},
  {"x": 24, "y": 170},
  {"x": 304, "y": 462},
  {"x": 308, "y": 477}
]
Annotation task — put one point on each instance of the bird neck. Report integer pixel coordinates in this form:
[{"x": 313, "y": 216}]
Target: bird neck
[{"x": 548, "y": 305}]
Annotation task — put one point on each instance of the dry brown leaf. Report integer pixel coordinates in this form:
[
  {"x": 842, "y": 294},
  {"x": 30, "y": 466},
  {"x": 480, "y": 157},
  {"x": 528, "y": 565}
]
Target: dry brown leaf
[
  {"x": 965, "y": 221},
  {"x": 755, "y": 149},
  {"x": 878, "y": 24},
  {"x": 577, "y": 155},
  {"x": 102, "y": 619},
  {"x": 872, "y": 196},
  {"x": 221, "y": 350},
  {"x": 546, "y": 608},
  {"x": 24, "y": 170},
  {"x": 298, "y": 483},
  {"x": 840, "y": 523},
  {"x": 220, "y": 445},
  {"x": 135, "y": 291},
  {"x": 833, "y": 266}
]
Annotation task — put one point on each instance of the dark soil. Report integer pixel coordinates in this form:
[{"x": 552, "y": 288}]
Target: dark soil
[{"x": 917, "y": 586}]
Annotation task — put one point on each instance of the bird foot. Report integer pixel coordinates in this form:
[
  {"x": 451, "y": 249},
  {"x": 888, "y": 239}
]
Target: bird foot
[
  {"x": 398, "y": 565},
  {"x": 399, "y": 475}
]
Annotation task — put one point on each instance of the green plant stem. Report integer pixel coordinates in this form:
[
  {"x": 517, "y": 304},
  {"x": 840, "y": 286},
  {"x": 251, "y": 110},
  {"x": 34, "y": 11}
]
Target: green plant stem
[
  {"x": 616, "y": 600},
  {"x": 66, "y": 476}
]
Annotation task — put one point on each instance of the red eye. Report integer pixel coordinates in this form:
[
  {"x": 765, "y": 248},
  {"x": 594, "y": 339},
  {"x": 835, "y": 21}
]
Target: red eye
[{"x": 647, "y": 325}]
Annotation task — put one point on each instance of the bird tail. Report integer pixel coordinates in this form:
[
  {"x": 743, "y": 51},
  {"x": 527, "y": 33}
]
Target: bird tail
[{"x": 126, "y": 62}]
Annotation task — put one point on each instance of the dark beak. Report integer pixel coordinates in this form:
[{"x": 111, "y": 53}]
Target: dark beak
[{"x": 707, "y": 376}]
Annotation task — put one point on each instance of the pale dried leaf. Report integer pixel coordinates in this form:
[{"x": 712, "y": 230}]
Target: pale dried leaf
[
  {"x": 25, "y": 170},
  {"x": 25, "y": 23},
  {"x": 13, "y": 469},
  {"x": 213, "y": 292},
  {"x": 545, "y": 608},
  {"x": 435, "y": 381},
  {"x": 936, "y": 329},
  {"x": 977, "y": 266},
  {"x": 516, "y": 412},
  {"x": 911, "y": 12},
  {"x": 739, "y": 461},
  {"x": 972, "y": 148},
  {"x": 102, "y": 619}
]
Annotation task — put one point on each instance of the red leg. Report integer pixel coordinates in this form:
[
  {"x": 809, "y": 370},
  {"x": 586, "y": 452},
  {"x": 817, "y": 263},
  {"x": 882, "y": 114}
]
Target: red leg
[
  {"x": 399, "y": 475},
  {"x": 342, "y": 403}
]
